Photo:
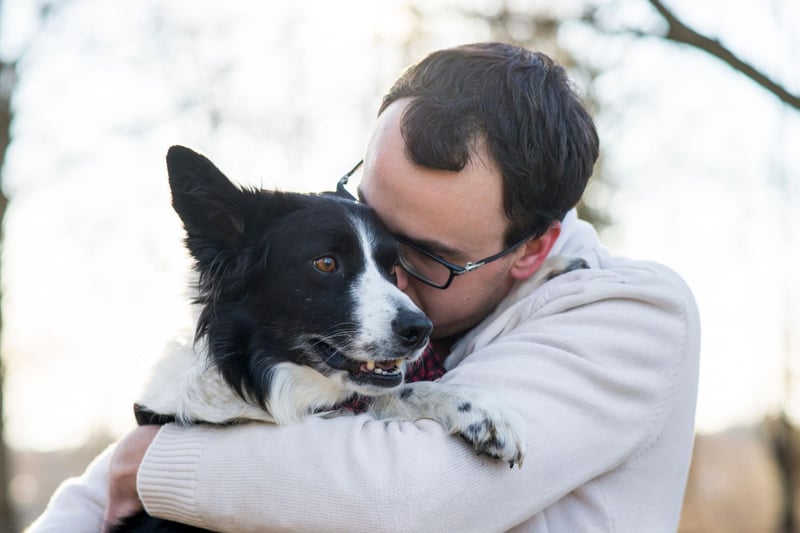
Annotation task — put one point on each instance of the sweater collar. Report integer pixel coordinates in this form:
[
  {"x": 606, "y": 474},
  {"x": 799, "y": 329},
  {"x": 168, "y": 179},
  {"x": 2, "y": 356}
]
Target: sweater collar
[{"x": 578, "y": 238}]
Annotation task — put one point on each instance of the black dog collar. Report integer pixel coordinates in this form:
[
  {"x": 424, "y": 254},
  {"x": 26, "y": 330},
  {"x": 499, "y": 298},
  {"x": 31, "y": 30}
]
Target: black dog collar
[{"x": 146, "y": 417}]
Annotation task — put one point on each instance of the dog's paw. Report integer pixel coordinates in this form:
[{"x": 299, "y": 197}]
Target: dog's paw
[
  {"x": 489, "y": 426},
  {"x": 479, "y": 416}
]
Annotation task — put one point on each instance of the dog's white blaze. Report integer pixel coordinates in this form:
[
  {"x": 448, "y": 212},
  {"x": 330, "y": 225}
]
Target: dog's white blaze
[{"x": 377, "y": 299}]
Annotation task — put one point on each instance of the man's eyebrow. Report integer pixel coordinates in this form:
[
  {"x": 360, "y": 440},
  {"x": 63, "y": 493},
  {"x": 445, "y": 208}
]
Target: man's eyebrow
[
  {"x": 434, "y": 247},
  {"x": 429, "y": 245}
]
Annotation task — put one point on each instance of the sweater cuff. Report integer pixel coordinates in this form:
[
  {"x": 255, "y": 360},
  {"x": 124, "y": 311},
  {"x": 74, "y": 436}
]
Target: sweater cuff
[{"x": 168, "y": 473}]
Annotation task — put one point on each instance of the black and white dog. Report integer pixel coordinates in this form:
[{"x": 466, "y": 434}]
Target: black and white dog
[{"x": 298, "y": 312}]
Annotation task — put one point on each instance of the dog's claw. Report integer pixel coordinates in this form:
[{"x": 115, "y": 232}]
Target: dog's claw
[
  {"x": 515, "y": 461},
  {"x": 493, "y": 432}
]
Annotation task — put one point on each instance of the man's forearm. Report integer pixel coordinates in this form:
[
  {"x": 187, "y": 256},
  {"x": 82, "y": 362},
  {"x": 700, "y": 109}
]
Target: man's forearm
[
  {"x": 399, "y": 476},
  {"x": 79, "y": 503}
]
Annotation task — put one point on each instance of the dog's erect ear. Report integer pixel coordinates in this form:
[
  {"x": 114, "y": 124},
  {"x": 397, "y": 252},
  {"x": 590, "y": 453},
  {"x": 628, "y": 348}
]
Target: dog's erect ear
[{"x": 209, "y": 205}]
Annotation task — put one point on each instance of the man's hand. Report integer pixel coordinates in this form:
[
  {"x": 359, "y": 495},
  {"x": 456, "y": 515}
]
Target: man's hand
[{"x": 123, "y": 499}]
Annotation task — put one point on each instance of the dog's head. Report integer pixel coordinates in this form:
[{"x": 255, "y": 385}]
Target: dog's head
[{"x": 289, "y": 277}]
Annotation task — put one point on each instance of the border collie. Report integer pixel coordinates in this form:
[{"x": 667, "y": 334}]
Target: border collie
[{"x": 299, "y": 312}]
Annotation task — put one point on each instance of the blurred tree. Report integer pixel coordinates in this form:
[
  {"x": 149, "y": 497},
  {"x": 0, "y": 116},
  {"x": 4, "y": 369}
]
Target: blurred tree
[
  {"x": 7, "y": 82},
  {"x": 787, "y": 446},
  {"x": 7, "y": 76}
]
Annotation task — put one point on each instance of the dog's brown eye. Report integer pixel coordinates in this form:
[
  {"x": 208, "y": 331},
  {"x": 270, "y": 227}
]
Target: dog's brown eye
[{"x": 325, "y": 264}]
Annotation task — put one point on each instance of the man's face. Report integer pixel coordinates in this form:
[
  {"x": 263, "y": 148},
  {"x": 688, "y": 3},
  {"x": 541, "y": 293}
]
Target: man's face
[{"x": 457, "y": 216}]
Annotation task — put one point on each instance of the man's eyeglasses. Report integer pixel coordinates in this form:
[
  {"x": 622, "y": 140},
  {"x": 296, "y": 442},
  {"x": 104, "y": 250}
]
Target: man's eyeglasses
[
  {"x": 421, "y": 264},
  {"x": 340, "y": 187},
  {"x": 432, "y": 270}
]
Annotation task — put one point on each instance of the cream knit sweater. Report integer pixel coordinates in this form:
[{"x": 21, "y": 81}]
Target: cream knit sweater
[{"x": 601, "y": 363}]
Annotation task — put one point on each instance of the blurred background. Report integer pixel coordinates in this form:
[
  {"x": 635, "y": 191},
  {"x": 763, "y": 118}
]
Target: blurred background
[{"x": 698, "y": 109}]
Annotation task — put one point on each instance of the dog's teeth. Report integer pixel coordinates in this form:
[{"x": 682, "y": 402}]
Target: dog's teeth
[
  {"x": 398, "y": 362},
  {"x": 370, "y": 365}
]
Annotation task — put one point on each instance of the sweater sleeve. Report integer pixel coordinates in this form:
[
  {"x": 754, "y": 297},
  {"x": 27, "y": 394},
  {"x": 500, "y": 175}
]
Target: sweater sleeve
[
  {"x": 589, "y": 361},
  {"x": 79, "y": 503}
]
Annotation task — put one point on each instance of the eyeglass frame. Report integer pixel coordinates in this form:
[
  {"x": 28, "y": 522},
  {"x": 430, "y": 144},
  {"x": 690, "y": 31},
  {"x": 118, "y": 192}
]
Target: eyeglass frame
[
  {"x": 454, "y": 269},
  {"x": 340, "y": 190}
]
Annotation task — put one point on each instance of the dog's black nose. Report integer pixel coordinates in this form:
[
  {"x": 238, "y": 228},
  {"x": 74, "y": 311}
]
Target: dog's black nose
[{"x": 412, "y": 328}]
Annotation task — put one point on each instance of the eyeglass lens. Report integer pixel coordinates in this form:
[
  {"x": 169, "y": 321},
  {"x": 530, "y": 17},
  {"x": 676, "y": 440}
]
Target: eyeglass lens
[{"x": 421, "y": 266}]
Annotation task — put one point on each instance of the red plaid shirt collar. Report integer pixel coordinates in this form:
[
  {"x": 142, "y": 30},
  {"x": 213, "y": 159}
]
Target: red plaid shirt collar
[{"x": 429, "y": 366}]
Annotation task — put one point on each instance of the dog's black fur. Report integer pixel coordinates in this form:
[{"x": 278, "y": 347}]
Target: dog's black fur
[
  {"x": 259, "y": 289},
  {"x": 276, "y": 268}
]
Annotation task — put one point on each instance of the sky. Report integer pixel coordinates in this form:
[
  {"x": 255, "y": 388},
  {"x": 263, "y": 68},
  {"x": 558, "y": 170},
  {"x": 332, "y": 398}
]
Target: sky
[{"x": 283, "y": 95}]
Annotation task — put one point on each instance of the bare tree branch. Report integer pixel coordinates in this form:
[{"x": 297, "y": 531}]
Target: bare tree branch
[{"x": 679, "y": 32}]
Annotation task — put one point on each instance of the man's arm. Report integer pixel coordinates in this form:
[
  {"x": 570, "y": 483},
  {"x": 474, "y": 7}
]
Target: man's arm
[
  {"x": 79, "y": 503},
  {"x": 591, "y": 373}
]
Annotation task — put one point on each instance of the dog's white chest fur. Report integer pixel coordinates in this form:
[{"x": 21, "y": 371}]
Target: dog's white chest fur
[{"x": 183, "y": 384}]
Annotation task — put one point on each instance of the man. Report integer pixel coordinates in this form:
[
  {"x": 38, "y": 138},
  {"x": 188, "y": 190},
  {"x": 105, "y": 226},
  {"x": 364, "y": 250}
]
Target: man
[{"x": 479, "y": 151}]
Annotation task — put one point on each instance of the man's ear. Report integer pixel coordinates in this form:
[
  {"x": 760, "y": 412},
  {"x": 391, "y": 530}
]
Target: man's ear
[{"x": 532, "y": 254}]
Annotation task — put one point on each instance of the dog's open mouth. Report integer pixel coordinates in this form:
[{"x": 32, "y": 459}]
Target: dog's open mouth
[
  {"x": 381, "y": 373},
  {"x": 384, "y": 373}
]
